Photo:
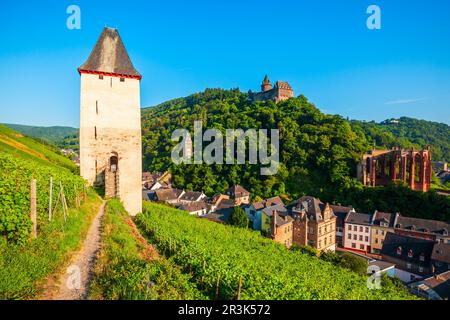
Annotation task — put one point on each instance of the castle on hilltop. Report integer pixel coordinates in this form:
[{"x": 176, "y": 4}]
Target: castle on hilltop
[{"x": 279, "y": 92}]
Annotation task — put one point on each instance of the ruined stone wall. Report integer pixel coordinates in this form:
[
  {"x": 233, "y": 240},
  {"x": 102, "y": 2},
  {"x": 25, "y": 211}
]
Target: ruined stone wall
[{"x": 110, "y": 125}]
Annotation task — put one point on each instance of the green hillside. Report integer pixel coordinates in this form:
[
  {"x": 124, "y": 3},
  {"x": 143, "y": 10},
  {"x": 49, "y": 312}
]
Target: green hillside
[
  {"x": 127, "y": 264},
  {"x": 63, "y": 137},
  {"x": 227, "y": 262},
  {"x": 409, "y": 133},
  {"x": 319, "y": 152},
  {"x": 25, "y": 263},
  {"x": 19, "y": 145}
]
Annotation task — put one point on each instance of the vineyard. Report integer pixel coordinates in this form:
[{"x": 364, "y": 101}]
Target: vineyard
[
  {"x": 27, "y": 148},
  {"x": 27, "y": 258},
  {"x": 129, "y": 268},
  {"x": 15, "y": 177},
  {"x": 229, "y": 263}
]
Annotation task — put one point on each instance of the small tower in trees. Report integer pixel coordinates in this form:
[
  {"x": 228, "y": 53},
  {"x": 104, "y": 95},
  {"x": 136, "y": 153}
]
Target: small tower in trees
[
  {"x": 266, "y": 85},
  {"x": 110, "y": 122}
]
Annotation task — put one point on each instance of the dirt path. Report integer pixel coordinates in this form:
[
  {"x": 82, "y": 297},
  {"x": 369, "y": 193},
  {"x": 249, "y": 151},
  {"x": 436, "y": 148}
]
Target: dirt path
[{"x": 74, "y": 283}]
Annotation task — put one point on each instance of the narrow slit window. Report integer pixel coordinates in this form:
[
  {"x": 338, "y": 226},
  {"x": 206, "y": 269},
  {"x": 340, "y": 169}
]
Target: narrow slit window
[
  {"x": 111, "y": 82},
  {"x": 96, "y": 107},
  {"x": 95, "y": 132}
]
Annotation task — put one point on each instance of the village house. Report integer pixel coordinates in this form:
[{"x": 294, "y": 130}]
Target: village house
[
  {"x": 440, "y": 258},
  {"x": 170, "y": 196},
  {"x": 439, "y": 166},
  {"x": 382, "y": 223},
  {"x": 215, "y": 200},
  {"x": 254, "y": 210},
  {"x": 192, "y": 196},
  {"x": 265, "y": 218},
  {"x": 194, "y": 208},
  {"x": 238, "y": 194},
  {"x": 423, "y": 228},
  {"x": 357, "y": 232},
  {"x": 383, "y": 267},
  {"x": 222, "y": 212},
  {"x": 436, "y": 287},
  {"x": 156, "y": 180},
  {"x": 314, "y": 224},
  {"x": 281, "y": 229},
  {"x": 341, "y": 213},
  {"x": 411, "y": 256},
  {"x": 149, "y": 179}
]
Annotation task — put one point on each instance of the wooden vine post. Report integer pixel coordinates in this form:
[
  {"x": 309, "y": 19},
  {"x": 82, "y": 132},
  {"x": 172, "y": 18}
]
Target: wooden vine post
[
  {"x": 33, "y": 214},
  {"x": 77, "y": 200},
  {"x": 217, "y": 286},
  {"x": 62, "y": 200},
  {"x": 50, "y": 200},
  {"x": 239, "y": 289}
]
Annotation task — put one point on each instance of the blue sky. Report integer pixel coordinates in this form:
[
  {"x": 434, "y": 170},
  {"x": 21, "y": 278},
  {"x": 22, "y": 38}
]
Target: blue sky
[{"x": 322, "y": 47}]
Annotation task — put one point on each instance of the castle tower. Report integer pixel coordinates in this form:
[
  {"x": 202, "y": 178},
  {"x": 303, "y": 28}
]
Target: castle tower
[
  {"x": 266, "y": 85},
  {"x": 110, "y": 122}
]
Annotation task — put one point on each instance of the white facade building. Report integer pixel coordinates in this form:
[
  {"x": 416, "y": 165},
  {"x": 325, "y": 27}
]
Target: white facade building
[{"x": 357, "y": 232}]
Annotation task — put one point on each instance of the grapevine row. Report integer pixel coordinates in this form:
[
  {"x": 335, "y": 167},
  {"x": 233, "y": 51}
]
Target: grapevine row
[
  {"x": 15, "y": 177},
  {"x": 230, "y": 263}
]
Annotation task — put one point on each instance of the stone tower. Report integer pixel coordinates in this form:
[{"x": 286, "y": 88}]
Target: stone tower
[
  {"x": 110, "y": 122},
  {"x": 266, "y": 85}
]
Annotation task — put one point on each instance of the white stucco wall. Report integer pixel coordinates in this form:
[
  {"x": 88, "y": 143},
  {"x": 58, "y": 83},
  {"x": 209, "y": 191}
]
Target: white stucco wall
[
  {"x": 112, "y": 108},
  {"x": 348, "y": 242}
]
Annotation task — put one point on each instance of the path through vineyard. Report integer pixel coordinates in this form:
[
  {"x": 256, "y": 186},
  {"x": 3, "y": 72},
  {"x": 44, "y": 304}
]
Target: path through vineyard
[{"x": 72, "y": 287}]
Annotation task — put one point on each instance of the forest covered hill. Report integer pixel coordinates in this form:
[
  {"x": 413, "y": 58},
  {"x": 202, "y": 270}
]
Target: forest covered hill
[
  {"x": 318, "y": 152},
  {"x": 409, "y": 133},
  {"x": 62, "y": 137}
]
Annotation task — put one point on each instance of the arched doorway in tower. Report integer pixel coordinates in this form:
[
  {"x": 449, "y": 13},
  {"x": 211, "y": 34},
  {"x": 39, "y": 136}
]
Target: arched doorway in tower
[
  {"x": 114, "y": 163},
  {"x": 112, "y": 176}
]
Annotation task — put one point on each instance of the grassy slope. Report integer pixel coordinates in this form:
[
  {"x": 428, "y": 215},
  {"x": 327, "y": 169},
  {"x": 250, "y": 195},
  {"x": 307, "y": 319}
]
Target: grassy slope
[
  {"x": 223, "y": 254},
  {"x": 27, "y": 148},
  {"x": 52, "y": 135},
  {"x": 23, "y": 270},
  {"x": 128, "y": 268}
]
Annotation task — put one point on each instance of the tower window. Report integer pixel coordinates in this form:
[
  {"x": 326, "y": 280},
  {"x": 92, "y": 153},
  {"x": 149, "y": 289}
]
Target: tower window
[
  {"x": 111, "y": 82},
  {"x": 95, "y": 132},
  {"x": 96, "y": 107},
  {"x": 100, "y": 77},
  {"x": 122, "y": 79}
]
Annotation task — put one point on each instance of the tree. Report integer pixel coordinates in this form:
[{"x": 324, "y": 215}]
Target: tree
[
  {"x": 238, "y": 218},
  {"x": 305, "y": 250},
  {"x": 332, "y": 257},
  {"x": 354, "y": 263},
  {"x": 318, "y": 152}
]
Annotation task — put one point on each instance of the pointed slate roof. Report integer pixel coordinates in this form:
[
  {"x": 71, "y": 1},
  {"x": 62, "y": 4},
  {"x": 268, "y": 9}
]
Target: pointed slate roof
[{"x": 110, "y": 56}]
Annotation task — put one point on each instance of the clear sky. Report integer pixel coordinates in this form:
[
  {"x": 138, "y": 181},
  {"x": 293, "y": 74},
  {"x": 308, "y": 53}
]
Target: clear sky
[{"x": 322, "y": 47}]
